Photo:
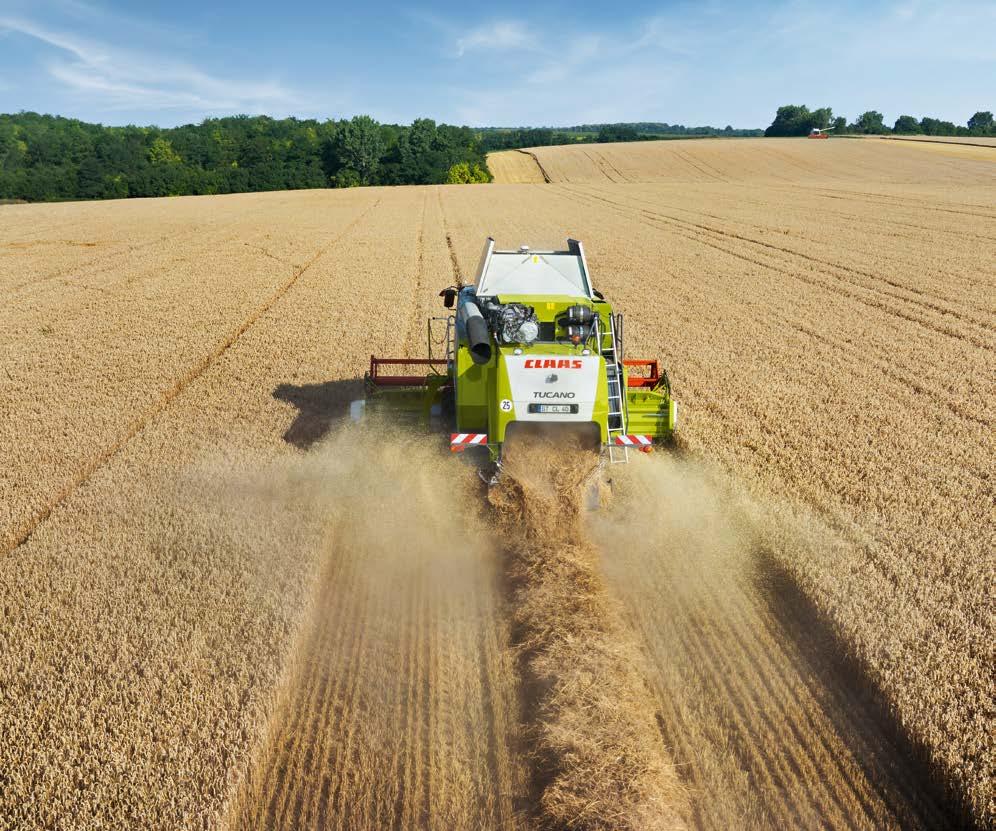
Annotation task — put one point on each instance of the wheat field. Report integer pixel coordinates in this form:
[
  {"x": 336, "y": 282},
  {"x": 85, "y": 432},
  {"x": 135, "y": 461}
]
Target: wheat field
[
  {"x": 515, "y": 167},
  {"x": 980, "y": 141},
  {"x": 838, "y": 163},
  {"x": 223, "y": 609}
]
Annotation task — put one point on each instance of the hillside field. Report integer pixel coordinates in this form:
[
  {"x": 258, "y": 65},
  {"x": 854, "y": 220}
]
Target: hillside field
[{"x": 223, "y": 607}]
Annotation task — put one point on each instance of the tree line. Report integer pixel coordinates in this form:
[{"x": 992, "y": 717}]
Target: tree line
[
  {"x": 654, "y": 129},
  {"x": 797, "y": 120},
  {"x": 512, "y": 138},
  {"x": 45, "y": 157}
]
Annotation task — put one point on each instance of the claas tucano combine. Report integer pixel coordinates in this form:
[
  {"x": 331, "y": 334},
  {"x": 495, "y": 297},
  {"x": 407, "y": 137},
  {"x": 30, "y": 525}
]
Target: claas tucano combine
[{"x": 530, "y": 343}]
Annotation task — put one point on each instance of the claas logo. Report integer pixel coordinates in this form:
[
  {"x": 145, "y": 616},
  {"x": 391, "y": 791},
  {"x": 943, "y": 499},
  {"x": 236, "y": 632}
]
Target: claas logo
[{"x": 553, "y": 363}]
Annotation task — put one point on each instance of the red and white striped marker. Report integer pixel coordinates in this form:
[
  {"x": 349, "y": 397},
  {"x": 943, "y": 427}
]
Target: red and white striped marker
[
  {"x": 461, "y": 441},
  {"x": 635, "y": 441}
]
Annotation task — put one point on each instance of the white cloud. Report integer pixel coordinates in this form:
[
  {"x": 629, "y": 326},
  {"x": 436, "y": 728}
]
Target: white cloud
[
  {"x": 119, "y": 79},
  {"x": 498, "y": 36}
]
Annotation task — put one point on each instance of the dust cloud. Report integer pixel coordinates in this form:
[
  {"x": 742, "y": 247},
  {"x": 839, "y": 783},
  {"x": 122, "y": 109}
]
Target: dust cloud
[
  {"x": 768, "y": 723},
  {"x": 667, "y": 505},
  {"x": 521, "y": 662},
  {"x": 400, "y": 708}
]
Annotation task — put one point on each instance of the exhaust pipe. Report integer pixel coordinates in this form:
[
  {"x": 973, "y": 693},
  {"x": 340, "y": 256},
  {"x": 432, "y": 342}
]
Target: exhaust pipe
[{"x": 477, "y": 331}]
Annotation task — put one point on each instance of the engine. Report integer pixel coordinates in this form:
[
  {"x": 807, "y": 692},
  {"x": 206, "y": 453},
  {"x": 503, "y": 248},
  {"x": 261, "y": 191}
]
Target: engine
[{"x": 512, "y": 322}]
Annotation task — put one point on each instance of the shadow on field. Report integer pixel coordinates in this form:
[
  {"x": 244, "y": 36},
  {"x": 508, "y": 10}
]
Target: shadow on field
[
  {"x": 895, "y": 765},
  {"x": 319, "y": 407}
]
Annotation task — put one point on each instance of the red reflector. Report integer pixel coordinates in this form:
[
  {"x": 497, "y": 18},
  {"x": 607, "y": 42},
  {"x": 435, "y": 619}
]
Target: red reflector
[
  {"x": 635, "y": 441},
  {"x": 461, "y": 441}
]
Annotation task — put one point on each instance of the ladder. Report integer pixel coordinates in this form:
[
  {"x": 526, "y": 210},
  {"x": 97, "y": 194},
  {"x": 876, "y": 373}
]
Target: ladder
[
  {"x": 612, "y": 353},
  {"x": 449, "y": 338}
]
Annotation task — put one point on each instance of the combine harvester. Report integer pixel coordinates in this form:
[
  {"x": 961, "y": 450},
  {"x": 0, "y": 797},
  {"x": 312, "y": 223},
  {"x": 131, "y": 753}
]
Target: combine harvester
[{"x": 531, "y": 344}]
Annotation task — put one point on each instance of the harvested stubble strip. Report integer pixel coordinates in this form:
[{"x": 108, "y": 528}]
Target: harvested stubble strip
[{"x": 600, "y": 761}]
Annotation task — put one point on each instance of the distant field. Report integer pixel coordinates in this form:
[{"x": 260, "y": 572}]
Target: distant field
[
  {"x": 983, "y": 141},
  {"x": 515, "y": 167},
  {"x": 221, "y": 611},
  {"x": 769, "y": 162}
]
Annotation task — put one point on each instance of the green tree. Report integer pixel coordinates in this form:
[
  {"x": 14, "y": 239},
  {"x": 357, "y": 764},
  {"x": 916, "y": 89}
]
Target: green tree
[
  {"x": 463, "y": 173},
  {"x": 870, "y": 123},
  {"x": 13, "y": 149},
  {"x": 359, "y": 147},
  {"x": 419, "y": 154},
  {"x": 418, "y": 139},
  {"x": 162, "y": 152},
  {"x": 115, "y": 187},
  {"x": 936, "y": 127},
  {"x": 797, "y": 120},
  {"x": 821, "y": 118},
  {"x": 906, "y": 124},
  {"x": 981, "y": 122},
  {"x": 840, "y": 124},
  {"x": 617, "y": 132},
  {"x": 347, "y": 178},
  {"x": 90, "y": 179}
]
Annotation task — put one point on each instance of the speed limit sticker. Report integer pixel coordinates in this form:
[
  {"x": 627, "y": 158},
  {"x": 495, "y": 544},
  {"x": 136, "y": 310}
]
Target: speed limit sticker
[{"x": 506, "y": 405}]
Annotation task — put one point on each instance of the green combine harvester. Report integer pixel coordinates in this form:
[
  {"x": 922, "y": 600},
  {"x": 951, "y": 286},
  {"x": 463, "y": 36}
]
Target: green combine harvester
[{"x": 531, "y": 343}]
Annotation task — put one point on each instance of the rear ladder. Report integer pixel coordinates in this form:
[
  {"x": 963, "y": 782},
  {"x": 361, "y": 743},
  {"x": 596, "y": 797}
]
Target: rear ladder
[{"x": 612, "y": 353}]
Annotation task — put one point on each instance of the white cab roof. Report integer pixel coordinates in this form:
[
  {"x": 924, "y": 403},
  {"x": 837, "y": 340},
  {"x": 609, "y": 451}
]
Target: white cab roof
[{"x": 533, "y": 272}]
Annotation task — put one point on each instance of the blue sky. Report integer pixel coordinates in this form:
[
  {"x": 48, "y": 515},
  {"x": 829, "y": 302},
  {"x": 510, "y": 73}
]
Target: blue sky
[{"x": 713, "y": 62}]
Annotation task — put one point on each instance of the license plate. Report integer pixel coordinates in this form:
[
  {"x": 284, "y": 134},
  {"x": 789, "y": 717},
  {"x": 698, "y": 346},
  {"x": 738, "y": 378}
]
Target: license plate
[{"x": 554, "y": 409}]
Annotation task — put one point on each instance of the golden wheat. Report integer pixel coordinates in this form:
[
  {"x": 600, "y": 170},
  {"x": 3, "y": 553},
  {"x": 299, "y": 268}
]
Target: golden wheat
[
  {"x": 515, "y": 167},
  {"x": 769, "y": 162},
  {"x": 826, "y": 310}
]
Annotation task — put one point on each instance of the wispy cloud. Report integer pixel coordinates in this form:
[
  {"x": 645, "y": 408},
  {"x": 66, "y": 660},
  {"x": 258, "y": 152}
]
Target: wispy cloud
[
  {"x": 590, "y": 73},
  {"x": 122, "y": 79},
  {"x": 87, "y": 52},
  {"x": 671, "y": 34},
  {"x": 912, "y": 31},
  {"x": 573, "y": 56},
  {"x": 719, "y": 61},
  {"x": 498, "y": 36}
]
